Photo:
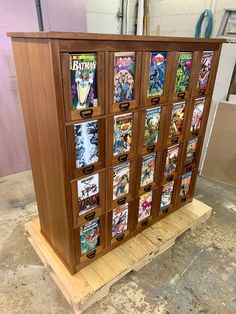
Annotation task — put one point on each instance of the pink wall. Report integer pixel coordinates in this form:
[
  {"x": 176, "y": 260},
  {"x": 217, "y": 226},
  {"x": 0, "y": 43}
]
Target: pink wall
[{"x": 21, "y": 16}]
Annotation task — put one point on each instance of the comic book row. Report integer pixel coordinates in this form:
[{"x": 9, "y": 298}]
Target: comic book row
[
  {"x": 90, "y": 232},
  {"x": 83, "y": 76}
]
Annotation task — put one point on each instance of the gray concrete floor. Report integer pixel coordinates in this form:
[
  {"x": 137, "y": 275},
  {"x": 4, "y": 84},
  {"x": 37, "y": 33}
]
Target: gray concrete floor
[{"x": 197, "y": 275}]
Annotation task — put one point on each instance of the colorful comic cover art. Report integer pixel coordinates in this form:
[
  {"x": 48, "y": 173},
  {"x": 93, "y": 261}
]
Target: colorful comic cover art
[
  {"x": 122, "y": 133},
  {"x": 156, "y": 73},
  {"x": 89, "y": 236},
  {"x": 185, "y": 185},
  {"x": 121, "y": 175},
  {"x": 171, "y": 160},
  {"x": 183, "y": 71},
  {"x": 88, "y": 193},
  {"x": 86, "y": 143},
  {"x": 124, "y": 71},
  {"x": 83, "y": 68},
  {"x": 191, "y": 151},
  {"x": 166, "y": 195},
  {"x": 152, "y": 122},
  {"x": 120, "y": 220},
  {"x": 177, "y": 118},
  {"x": 148, "y": 169},
  {"x": 197, "y": 114},
  {"x": 205, "y": 69},
  {"x": 145, "y": 205}
]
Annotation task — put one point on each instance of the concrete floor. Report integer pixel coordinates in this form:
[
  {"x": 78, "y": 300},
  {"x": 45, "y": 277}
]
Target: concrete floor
[{"x": 197, "y": 275}]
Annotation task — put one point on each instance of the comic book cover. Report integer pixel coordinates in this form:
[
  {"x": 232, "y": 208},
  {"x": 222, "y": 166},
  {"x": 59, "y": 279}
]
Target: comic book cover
[
  {"x": 88, "y": 193},
  {"x": 205, "y": 69},
  {"x": 122, "y": 133},
  {"x": 83, "y": 75},
  {"x": 191, "y": 151},
  {"x": 124, "y": 71},
  {"x": 151, "y": 129},
  {"x": 148, "y": 169},
  {"x": 121, "y": 175},
  {"x": 145, "y": 205},
  {"x": 120, "y": 220},
  {"x": 166, "y": 195},
  {"x": 183, "y": 71},
  {"x": 89, "y": 236},
  {"x": 86, "y": 143},
  {"x": 177, "y": 118},
  {"x": 185, "y": 184},
  {"x": 171, "y": 160},
  {"x": 197, "y": 114},
  {"x": 156, "y": 73}
]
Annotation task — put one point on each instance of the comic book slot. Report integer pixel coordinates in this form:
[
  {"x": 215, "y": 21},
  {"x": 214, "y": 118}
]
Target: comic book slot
[
  {"x": 204, "y": 73},
  {"x": 167, "y": 197},
  {"x": 86, "y": 146},
  {"x": 197, "y": 116},
  {"x": 124, "y": 80},
  {"x": 151, "y": 128},
  {"x": 88, "y": 197},
  {"x": 83, "y": 74},
  {"x": 154, "y": 78},
  {"x": 177, "y": 113},
  {"x": 185, "y": 186},
  {"x": 191, "y": 153},
  {"x": 122, "y": 137},
  {"x": 182, "y": 84},
  {"x": 172, "y": 158}
]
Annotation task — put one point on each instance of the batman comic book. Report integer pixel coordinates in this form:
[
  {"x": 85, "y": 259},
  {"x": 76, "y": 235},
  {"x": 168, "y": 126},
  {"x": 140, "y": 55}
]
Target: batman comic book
[
  {"x": 205, "y": 69},
  {"x": 197, "y": 114},
  {"x": 183, "y": 71},
  {"x": 171, "y": 160},
  {"x": 88, "y": 193},
  {"x": 83, "y": 75},
  {"x": 148, "y": 169},
  {"x": 145, "y": 205},
  {"x": 166, "y": 195},
  {"x": 185, "y": 184},
  {"x": 120, "y": 219},
  {"x": 177, "y": 118},
  {"x": 121, "y": 178},
  {"x": 156, "y": 73},
  {"x": 124, "y": 72},
  {"x": 191, "y": 151},
  {"x": 151, "y": 129},
  {"x": 89, "y": 236},
  {"x": 86, "y": 143},
  {"x": 122, "y": 133}
]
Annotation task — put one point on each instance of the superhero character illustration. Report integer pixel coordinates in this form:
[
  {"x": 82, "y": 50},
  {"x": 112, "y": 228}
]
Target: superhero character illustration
[{"x": 183, "y": 71}]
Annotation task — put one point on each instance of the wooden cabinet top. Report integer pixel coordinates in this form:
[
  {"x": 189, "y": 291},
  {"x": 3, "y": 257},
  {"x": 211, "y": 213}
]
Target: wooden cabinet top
[{"x": 88, "y": 36}]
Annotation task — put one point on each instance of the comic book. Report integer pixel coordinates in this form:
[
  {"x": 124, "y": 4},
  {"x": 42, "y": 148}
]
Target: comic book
[
  {"x": 205, "y": 69},
  {"x": 88, "y": 193},
  {"x": 185, "y": 184},
  {"x": 148, "y": 168},
  {"x": 145, "y": 205},
  {"x": 197, "y": 114},
  {"x": 177, "y": 118},
  {"x": 166, "y": 195},
  {"x": 156, "y": 73},
  {"x": 124, "y": 72},
  {"x": 151, "y": 129},
  {"x": 83, "y": 75},
  {"x": 183, "y": 71},
  {"x": 171, "y": 160},
  {"x": 89, "y": 236},
  {"x": 120, "y": 220},
  {"x": 191, "y": 151},
  {"x": 121, "y": 176},
  {"x": 122, "y": 133},
  {"x": 86, "y": 143}
]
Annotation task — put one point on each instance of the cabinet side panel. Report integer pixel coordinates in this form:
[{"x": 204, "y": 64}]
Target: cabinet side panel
[{"x": 36, "y": 83}]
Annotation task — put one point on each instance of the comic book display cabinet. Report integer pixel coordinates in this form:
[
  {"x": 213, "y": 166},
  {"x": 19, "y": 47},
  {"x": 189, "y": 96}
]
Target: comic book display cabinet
[{"x": 115, "y": 127}]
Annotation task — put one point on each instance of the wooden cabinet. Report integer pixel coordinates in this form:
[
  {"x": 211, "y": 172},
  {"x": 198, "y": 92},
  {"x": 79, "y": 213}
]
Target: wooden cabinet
[{"x": 115, "y": 126}]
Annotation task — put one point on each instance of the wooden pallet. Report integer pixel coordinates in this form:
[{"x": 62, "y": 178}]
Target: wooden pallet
[{"x": 93, "y": 282}]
